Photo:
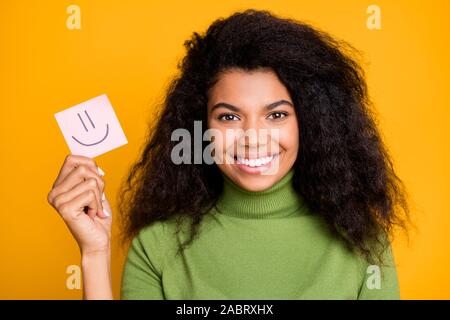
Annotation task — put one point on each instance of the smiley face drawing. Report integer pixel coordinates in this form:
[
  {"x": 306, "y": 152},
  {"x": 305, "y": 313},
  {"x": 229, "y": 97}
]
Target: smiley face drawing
[
  {"x": 85, "y": 128},
  {"x": 91, "y": 128}
]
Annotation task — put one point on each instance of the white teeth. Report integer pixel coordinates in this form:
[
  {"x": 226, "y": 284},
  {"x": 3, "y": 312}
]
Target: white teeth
[{"x": 255, "y": 162}]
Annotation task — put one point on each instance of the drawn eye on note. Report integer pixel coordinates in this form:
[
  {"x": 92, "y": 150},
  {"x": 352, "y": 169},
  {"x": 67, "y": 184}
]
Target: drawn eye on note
[
  {"x": 91, "y": 128},
  {"x": 87, "y": 130}
]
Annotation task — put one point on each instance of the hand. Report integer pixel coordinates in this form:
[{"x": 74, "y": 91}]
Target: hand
[{"x": 77, "y": 196}]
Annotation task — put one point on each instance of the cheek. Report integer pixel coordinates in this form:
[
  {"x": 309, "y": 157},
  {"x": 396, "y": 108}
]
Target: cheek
[
  {"x": 289, "y": 138},
  {"x": 223, "y": 144}
]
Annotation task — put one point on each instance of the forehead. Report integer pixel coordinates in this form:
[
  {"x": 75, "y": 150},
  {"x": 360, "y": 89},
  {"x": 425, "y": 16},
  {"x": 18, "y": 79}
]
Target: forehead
[{"x": 243, "y": 88}]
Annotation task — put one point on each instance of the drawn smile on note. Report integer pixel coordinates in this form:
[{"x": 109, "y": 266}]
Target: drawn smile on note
[{"x": 86, "y": 129}]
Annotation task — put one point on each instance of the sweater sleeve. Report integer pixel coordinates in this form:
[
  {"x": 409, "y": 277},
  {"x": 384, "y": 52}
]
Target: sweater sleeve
[
  {"x": 141, "y": 277},
  {"x": 380, "y": 281}
]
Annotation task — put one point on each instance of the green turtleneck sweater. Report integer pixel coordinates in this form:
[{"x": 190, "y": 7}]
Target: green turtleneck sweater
[{"x": 253, "y": 245}]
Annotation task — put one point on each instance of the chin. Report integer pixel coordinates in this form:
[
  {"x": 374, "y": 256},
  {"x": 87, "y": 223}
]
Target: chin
[
  {"x": 265, "y": 183},
  {"x": 254, "y": 182}
]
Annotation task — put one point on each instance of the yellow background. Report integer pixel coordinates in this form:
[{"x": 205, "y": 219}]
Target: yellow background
[{"x": 129, "y": 50}]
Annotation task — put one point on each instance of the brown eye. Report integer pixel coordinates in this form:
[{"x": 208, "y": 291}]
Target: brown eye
[
  {"x": 228, "y": 117},
  {"x": 277, "y": 115}
]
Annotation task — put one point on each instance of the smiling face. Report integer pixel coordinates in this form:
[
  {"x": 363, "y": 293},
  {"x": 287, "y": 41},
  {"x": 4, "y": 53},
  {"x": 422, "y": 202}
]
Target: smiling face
[
  {"x": 91, "y": 128},
  {"x": 258, "y": 103},
  {"x": 87, "y": 130}
]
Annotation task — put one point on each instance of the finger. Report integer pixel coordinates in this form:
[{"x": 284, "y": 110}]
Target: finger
[
  {"x": 90, "y": 184},
  {"x": 72, "y": 209},
  {"x": 75, "y": 177},
  {"x": 73, "y": 161}
]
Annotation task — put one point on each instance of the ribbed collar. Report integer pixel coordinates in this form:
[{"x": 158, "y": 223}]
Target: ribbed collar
[{"x": 280, "y": 200}]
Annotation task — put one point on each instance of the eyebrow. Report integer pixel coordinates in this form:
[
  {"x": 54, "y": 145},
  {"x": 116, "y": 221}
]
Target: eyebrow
[{"x": 236, "y": 109}]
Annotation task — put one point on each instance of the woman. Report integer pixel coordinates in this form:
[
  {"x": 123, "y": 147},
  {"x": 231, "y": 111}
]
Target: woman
[{"x": 302, "y": 210}]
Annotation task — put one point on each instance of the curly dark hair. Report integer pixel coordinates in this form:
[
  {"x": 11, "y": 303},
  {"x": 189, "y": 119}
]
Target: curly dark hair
[{"x": 343, "y": 169}]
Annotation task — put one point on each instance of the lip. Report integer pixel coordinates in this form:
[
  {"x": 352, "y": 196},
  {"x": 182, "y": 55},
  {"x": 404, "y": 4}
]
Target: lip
[
  {"x": 254, "y": 156},
  {"x": 256, "y": 170}
]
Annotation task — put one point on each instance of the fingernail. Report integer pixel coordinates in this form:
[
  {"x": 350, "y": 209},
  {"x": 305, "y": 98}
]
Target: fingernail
[
  {"x": 100, "y": 171},
  {"x": 106, "y": 212},
  {"x": 103, "y": 196}
]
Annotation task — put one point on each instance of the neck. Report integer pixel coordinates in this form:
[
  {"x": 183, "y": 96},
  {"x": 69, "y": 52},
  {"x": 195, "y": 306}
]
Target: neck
[{"x": 280, "y": 200}]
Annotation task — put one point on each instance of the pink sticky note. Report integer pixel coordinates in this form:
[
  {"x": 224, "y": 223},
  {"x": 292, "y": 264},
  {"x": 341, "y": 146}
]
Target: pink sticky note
[{"x": 91, "y": 128}]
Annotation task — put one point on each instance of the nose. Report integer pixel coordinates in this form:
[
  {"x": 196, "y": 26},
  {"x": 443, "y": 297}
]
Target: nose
[{"x": 254, "y": 137}]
